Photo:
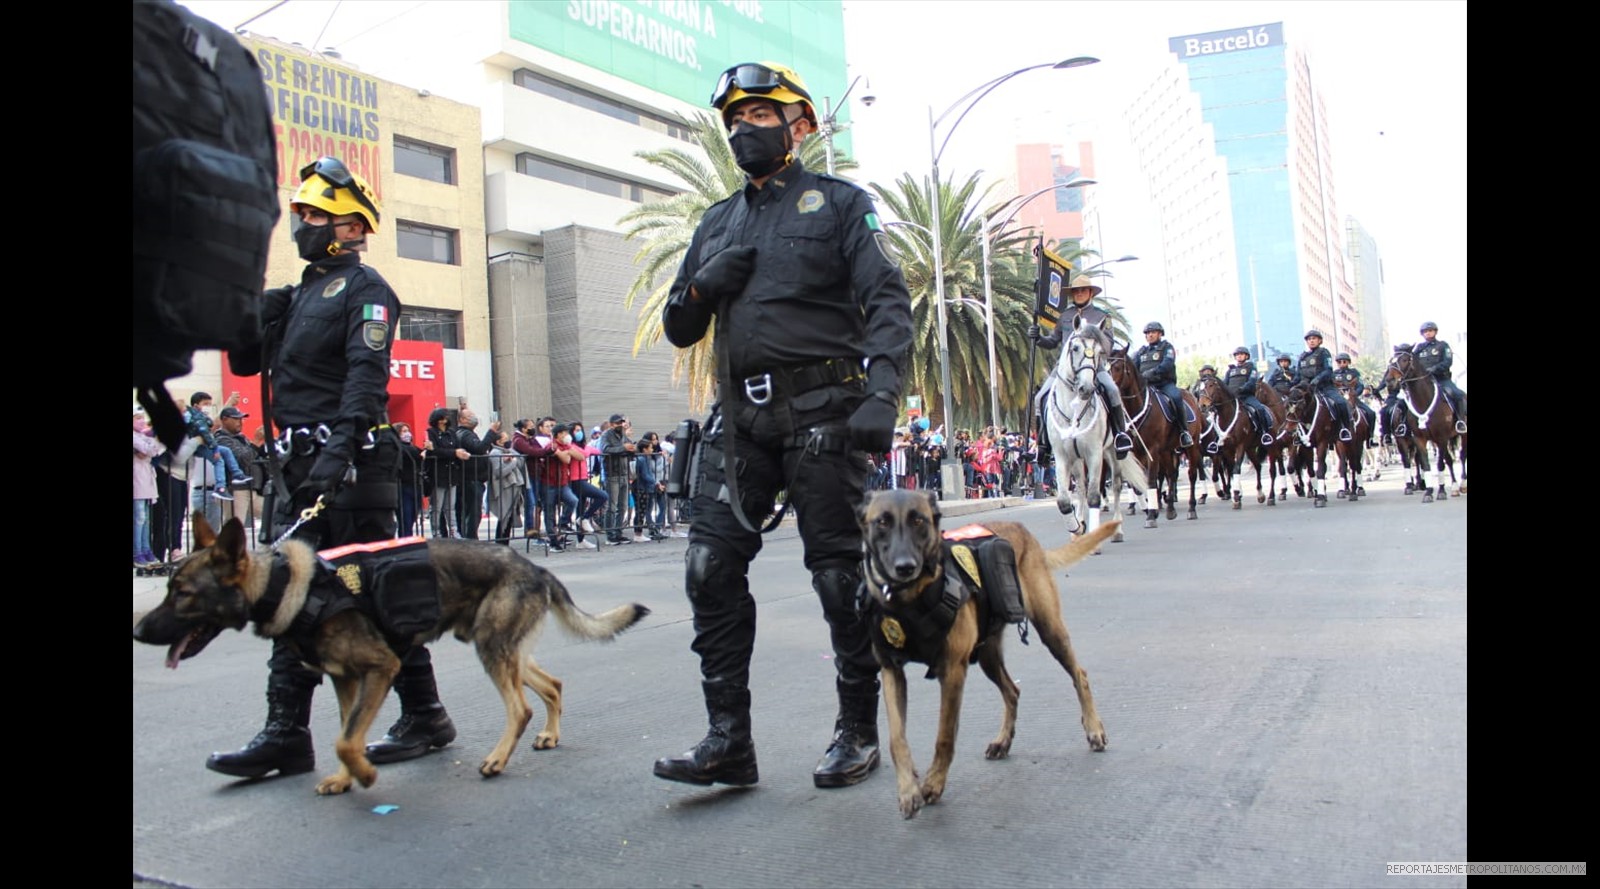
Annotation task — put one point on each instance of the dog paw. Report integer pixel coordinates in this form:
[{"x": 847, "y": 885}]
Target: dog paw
[
  {"x": 1097, "y": 739},
  {"x": 492, "y": 766},
  {"x": 930, "y": 793},
  {"x": 333, "y": 785},
  {"x": 997, "y": 750},
  {"x": 545, "y": 741},
  {"x": 910, "y": 804}
]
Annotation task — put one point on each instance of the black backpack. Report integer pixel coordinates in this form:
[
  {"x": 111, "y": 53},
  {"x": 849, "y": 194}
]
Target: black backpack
[{"x": 205, "y": 198}]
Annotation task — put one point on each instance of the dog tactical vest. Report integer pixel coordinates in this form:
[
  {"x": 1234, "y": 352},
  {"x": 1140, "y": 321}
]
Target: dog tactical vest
[
  {"x": 978, "y": 565},
  {"x": 392, "y": 582}
]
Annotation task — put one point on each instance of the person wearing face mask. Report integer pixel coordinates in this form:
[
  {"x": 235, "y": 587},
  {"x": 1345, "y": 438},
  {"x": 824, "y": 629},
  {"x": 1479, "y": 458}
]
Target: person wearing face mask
[
  {"x": 813, "y": 333},
  {"x": 325, "y": 353},
  {"x": 410, "y": 479}
]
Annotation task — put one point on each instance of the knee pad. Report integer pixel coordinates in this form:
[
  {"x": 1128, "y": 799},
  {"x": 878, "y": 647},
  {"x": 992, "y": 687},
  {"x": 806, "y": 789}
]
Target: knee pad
[
  {"x": 713, "y": 575},
  {"x": 837, "y": 587}
]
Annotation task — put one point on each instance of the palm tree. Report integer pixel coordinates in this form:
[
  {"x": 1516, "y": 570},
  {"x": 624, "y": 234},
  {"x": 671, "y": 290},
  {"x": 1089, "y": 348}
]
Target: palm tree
[
  {"x": 667, "y": 226},
  {"x": 1012, "y": 273}
]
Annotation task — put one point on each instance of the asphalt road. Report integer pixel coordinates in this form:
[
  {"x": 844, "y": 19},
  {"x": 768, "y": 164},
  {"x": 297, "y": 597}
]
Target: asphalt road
[{"x": 1284, "y": 691}]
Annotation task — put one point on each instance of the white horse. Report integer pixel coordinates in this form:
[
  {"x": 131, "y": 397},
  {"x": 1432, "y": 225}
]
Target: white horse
[{"x": 1081, "y": 434}]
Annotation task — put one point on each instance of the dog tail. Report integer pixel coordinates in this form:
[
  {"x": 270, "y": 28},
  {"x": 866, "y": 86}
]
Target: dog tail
[
  {"x": 602, "y": 627},
  {"x": 1074, "y": 550}
]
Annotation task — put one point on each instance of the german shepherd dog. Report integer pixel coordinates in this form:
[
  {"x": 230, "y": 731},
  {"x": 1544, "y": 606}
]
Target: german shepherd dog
[
  {"x": 488, "y": 595},
  {"x": 904, "y": 560}
]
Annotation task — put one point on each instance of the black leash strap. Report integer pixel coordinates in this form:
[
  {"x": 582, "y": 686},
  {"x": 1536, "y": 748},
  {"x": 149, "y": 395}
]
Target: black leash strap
[{"x": 730, "y": 463}]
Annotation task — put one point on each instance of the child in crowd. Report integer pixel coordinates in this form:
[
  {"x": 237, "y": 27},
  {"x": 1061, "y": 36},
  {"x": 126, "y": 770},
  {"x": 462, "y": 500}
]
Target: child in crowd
[{"x": 198, "y": 421}]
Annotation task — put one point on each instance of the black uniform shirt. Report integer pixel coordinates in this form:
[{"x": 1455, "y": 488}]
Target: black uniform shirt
[
  {"x": 822, "y": 286},
  {"x": 1240, "y": 379},
  {"x": 1434, "y": 357},
  {"x": 332, "y": 363},
  {"x": 1347, "y": 378},
  {"x": 1158, "y": 363},
  {"x": 1316, "y": 367},
  {"x": 1281, "y": 379}
]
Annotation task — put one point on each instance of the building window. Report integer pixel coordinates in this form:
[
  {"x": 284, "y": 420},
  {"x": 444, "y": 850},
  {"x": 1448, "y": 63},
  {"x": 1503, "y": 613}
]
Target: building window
[
  {"x": 578, "y": 177},
  {"x": 427, "y": 243},
  {"x": 431, "y": 326},
  {"x": 424, "y": 161},
  {"x": 609, "y": 107}
]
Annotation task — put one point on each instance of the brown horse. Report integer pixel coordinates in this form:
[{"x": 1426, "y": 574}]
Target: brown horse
[
  {"x": 1238, "y": 438},
  {"x": 1155, "y": 438},
  {"x": 1352, "y": 452},
  {"x": 1312, "y": 422},
  {"x": 1431, "y": 423}
]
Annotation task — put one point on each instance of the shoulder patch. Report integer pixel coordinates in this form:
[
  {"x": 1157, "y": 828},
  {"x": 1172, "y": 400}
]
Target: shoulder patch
[
  {"x": 811, "y": 200},
  {"x": 873, "y": 222},
  {"x": 375, "y": 334},
  {"x": 335, "y": 287}
]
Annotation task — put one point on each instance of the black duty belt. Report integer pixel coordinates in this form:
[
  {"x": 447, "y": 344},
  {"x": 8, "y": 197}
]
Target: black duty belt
[
  {"x": 794, "y": 380},
  {"x": 302, "y": 441}
]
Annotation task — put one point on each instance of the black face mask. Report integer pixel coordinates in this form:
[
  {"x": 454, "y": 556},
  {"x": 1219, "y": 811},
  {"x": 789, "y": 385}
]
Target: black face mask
[
  {"x": 315, "y": 241},
  {"x": 759, "y": 151}
]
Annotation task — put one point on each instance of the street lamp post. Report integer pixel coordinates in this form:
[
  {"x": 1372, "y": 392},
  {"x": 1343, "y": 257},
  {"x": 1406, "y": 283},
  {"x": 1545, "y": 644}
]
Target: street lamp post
[
  {"x": 935, "y": 151},
  {"x": 830, "y": 118},
  {"x": 988, "y": 290}
]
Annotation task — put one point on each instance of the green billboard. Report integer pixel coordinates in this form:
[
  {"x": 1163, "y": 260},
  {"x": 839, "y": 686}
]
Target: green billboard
[{"x": 678, "y": 47}]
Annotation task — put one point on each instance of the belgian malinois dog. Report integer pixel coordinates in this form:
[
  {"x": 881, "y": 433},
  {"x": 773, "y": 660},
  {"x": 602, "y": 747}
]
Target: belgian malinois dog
[
  {"x": 488, "y": 595},
  {"x": 904, "y": 562}
]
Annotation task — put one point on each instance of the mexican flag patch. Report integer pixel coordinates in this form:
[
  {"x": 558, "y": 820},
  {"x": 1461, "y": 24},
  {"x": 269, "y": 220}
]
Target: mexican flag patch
[{"x": 374, "y": 313}]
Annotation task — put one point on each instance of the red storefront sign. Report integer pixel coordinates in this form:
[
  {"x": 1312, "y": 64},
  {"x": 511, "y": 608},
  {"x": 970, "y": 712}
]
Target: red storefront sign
[{"x": 416, "y": 386}]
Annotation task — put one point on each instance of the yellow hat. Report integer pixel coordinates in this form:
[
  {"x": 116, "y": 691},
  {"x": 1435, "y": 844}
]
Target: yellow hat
[
  {"x": 329, "y": 186},
  {"x": 761, "y": 80}
]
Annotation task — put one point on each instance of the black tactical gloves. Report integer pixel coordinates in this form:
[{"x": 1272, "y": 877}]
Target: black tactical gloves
[
  {"x": 328, "y": 474},
  {"x": 725, "y": 275},
  {"x": 872, "y": 425}
]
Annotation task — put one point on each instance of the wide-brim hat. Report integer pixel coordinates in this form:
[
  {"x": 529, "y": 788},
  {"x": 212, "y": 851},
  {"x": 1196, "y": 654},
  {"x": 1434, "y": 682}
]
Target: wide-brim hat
[{"x": 1084, "y": 282}]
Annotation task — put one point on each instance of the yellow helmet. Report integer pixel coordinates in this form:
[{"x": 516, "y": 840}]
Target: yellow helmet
[
  {"x": 761, "y": 80},
  {"x": 329, "y": 186}
]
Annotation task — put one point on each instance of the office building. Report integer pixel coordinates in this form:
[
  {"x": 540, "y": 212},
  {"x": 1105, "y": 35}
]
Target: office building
[{"x": 1233, "y": 137}]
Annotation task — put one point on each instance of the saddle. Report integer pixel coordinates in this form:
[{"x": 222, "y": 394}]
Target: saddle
[
  {"x": 1168, "y": 409},
  {"x": 978, "y": 565}
]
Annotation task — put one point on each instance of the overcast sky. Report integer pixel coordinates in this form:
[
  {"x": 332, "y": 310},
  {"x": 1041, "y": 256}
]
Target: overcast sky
[{"x": 1393, "y": 73}]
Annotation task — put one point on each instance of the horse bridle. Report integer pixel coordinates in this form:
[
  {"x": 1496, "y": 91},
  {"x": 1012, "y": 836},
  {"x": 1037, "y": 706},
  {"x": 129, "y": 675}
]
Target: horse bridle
[{"x": 1089, "y": 355}]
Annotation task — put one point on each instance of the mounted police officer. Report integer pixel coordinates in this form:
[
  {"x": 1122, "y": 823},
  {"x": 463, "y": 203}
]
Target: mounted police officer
[
  {"x": 1347, "y": 379},
  {"x": 1240, "y": 379},
  {"x": 1391, "y": 416},
  {"x": 813, "y": 333},
  {"x": 326, "y": 345},
  {"x": 1434, "y": 355},
  {"x": 1315, "y": 370},
  {"x": 1281, "y": 378},
  {"x": 1157, "y": 362},
  {"x": 1080, "y": 310}
]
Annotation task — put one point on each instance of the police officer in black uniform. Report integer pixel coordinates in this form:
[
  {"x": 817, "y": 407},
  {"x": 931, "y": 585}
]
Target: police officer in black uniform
[
  {"x": 326, "y": 354},
  {"x": 813, "y": 330},
  {"x": 1081, "y": 310},
  {"x": 1240, "y": 379},
  {"x": 1347, "y": 379},
  {"x": 1391, "y": 417},
  {"x": 1157, "y": 361},
  {"x": 1315, "y": 370},
  {"x": 1281, "y": 378},
  {"x": 1435, "y": 357}
]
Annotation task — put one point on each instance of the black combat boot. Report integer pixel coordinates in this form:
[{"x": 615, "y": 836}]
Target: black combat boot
[
  {"x": 423, "y": 724},
  {"x": 853, "y": 753},
  {"x": 284, "y": 745},
  {"x": 726, "y": 755},
  {"x": 1119, "y": 420}
]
